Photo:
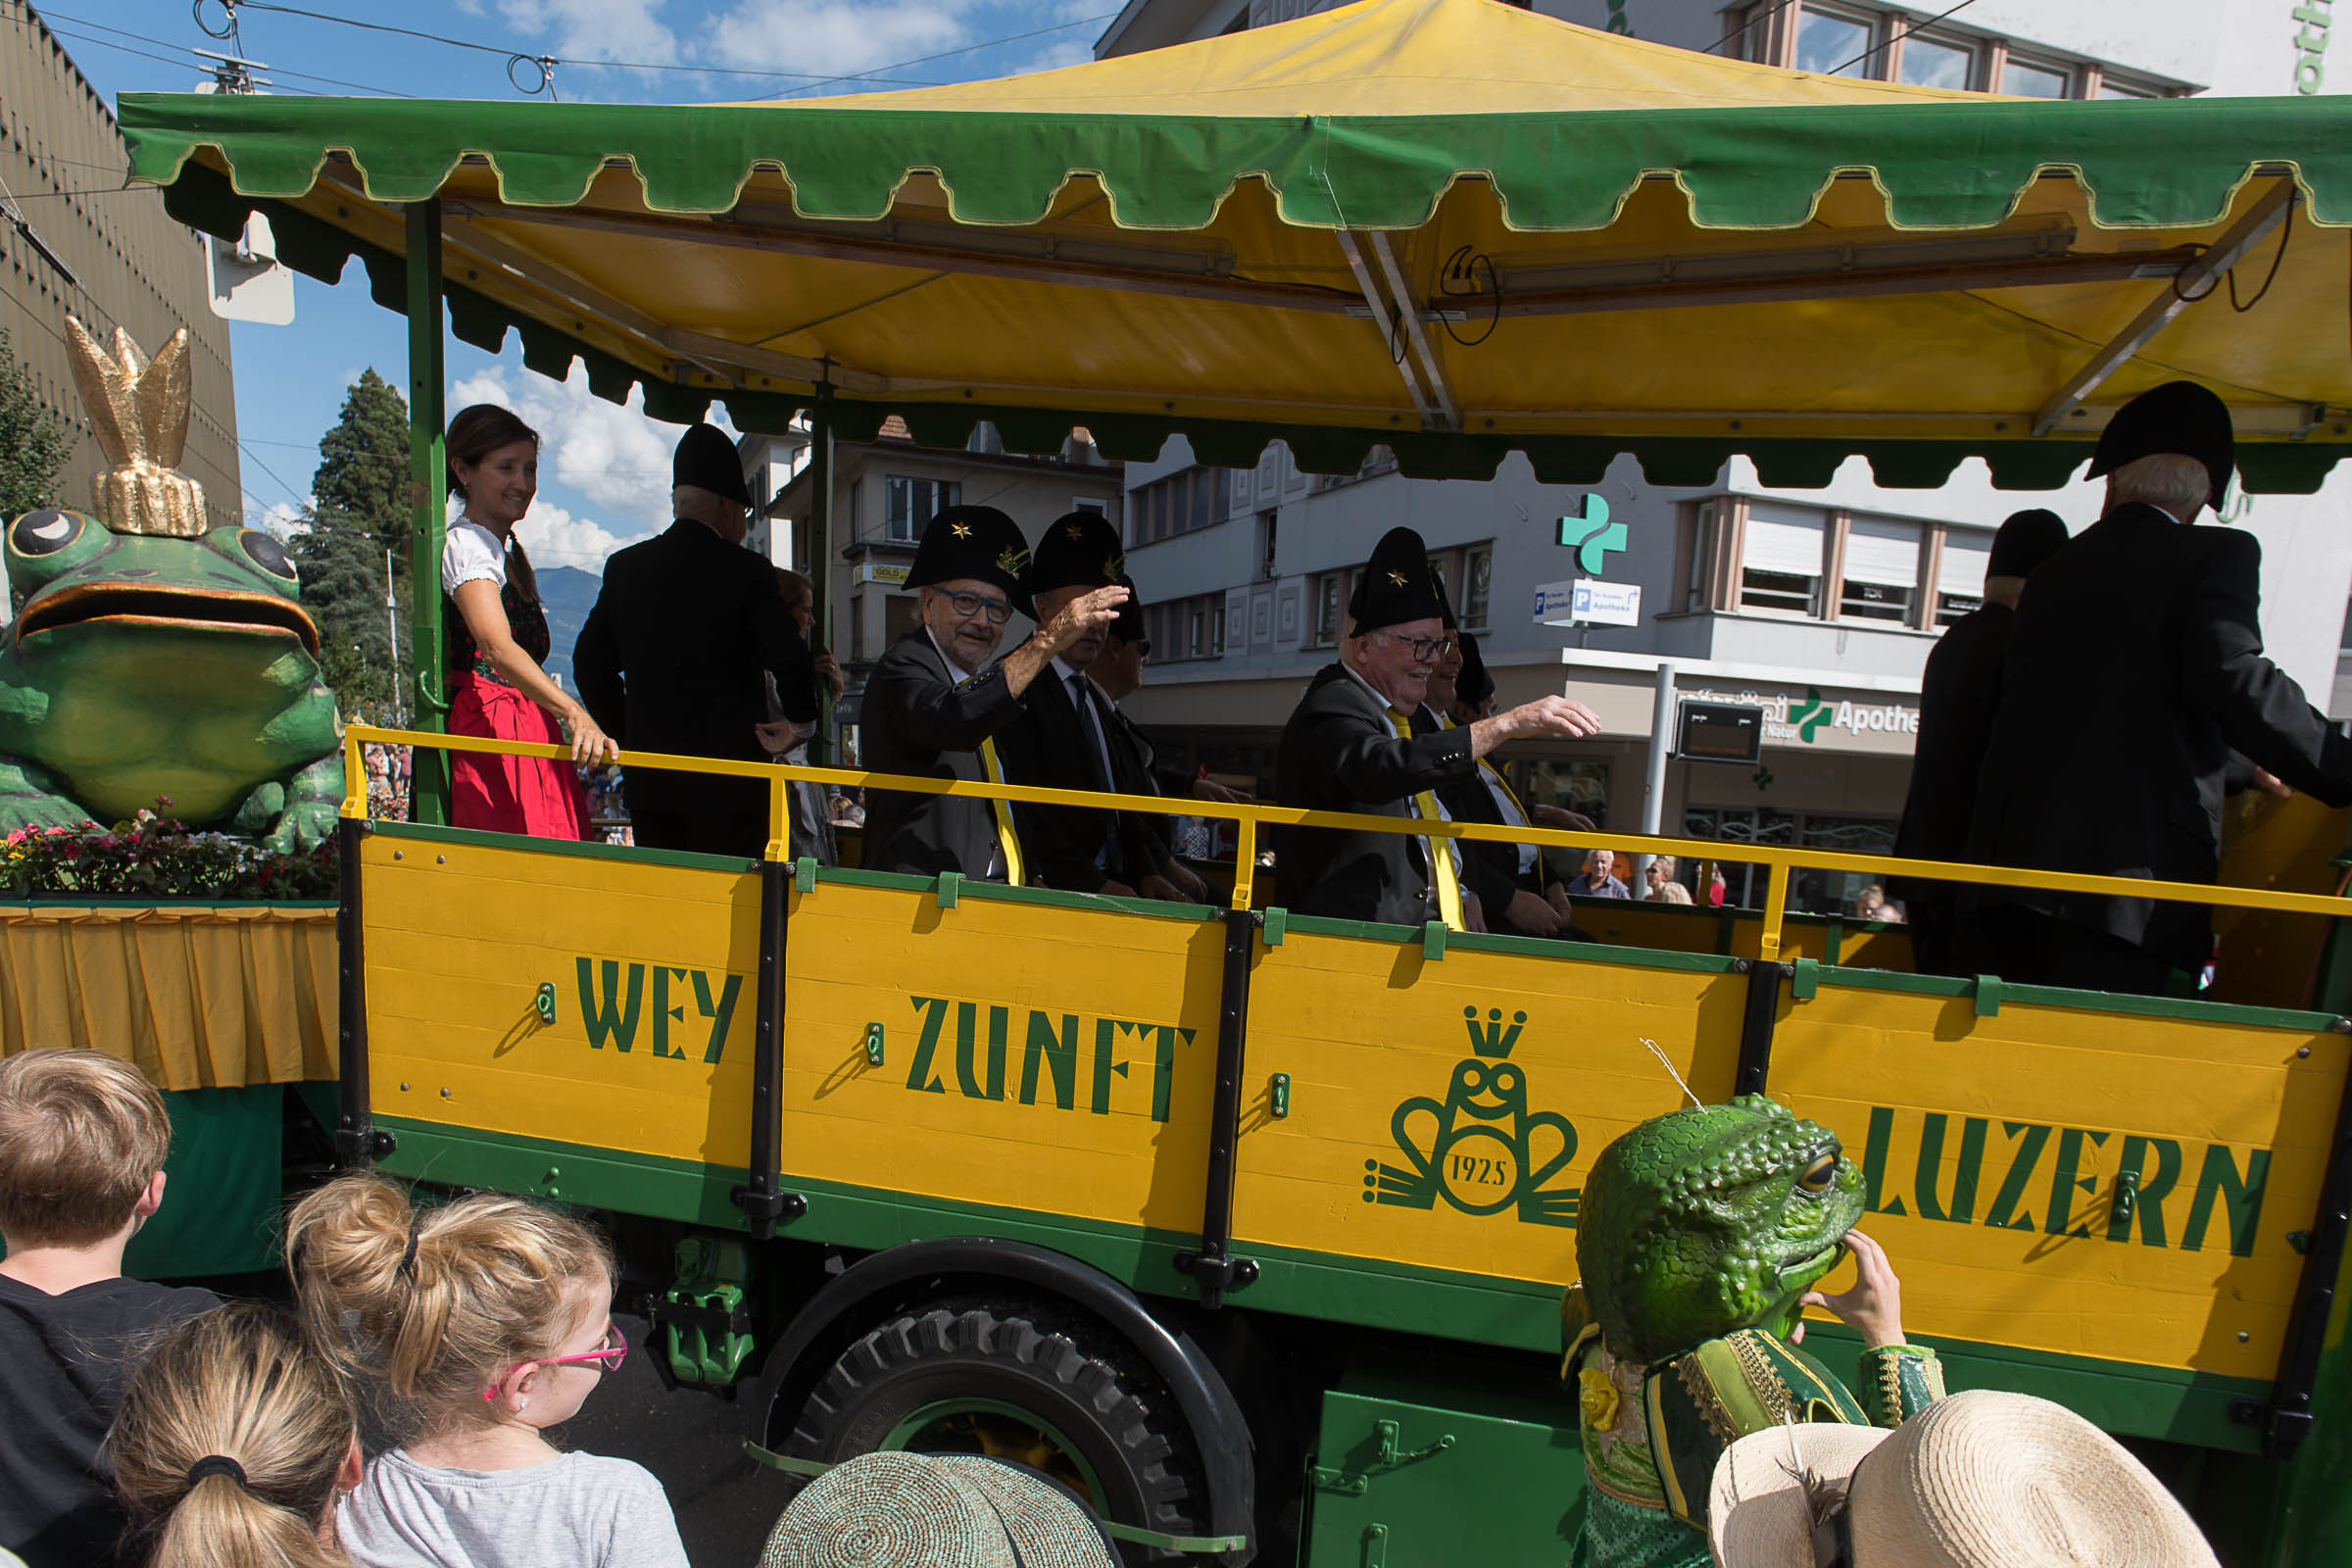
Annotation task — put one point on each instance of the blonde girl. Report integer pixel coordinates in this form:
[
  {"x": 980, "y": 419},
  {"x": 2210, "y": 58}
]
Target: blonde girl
[
  {"x": 232, "y": 1442},
  {"x": 489, "y": 1321}
]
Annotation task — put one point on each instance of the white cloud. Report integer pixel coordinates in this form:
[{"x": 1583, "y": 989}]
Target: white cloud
[
  {"x": 280, "y": 518},
  {"x": 1070, "y": 51},
  {"x": 834, "y": 35},
  {"x": 597, "y": 30},
  {"x": 556, "y": 538}
]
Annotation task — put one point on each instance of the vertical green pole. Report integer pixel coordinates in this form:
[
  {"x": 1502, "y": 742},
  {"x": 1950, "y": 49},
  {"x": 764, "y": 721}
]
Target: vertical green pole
[
  {"x": 429, "y": 473},
  {"x": 820, "y": 552}
]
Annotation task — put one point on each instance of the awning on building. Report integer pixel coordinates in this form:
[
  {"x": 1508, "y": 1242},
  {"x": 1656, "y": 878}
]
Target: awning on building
[{"x": 1447, "y": 226}]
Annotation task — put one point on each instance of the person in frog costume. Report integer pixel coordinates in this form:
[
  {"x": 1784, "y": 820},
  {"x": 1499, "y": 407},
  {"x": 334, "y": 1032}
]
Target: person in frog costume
[
  {"x": 1701, "y": 1235},
  {"x": 153, "y": 657}
]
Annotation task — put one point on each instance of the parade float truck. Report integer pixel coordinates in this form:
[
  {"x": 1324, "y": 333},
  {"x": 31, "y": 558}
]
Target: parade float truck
[{"x": 1255, "y": 1226}]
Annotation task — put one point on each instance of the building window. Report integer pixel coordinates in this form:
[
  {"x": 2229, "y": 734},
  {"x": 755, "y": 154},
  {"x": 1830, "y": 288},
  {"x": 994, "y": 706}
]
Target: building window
[
  {"x": 1829, "y": 42},
  {"x": 2027, "y": 79},
  {"x": 913, "y": 503},
  {"x": 1194, "y": 498},
  {"x": 1960, "y": 573},
  {"x": 1478, "y": 582},
  {"x": 1879, "y": 580},
  {"x": 1938, "y": 63},
  {"x": 1780, "y": 559},
  {"x": 1093, "y": 503},
  {"x": 1701, "y": 545},
  {"x": 1184, "y": 629},
  {"x": 1330, "y": 598}
]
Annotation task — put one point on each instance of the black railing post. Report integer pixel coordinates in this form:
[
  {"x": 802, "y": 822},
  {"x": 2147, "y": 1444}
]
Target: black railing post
[
  {"x": 1758, "y": 1020},
  {"x": 1213, "y": 1267},
  {"x": 356, "y": 1141},
  {"x": 762, "y": 1201}
]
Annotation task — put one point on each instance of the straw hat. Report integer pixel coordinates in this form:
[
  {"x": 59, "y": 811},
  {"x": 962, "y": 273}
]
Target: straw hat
[
  {"x": 916, "y": 1510},
  {"x": 1980, "y": 1480}
]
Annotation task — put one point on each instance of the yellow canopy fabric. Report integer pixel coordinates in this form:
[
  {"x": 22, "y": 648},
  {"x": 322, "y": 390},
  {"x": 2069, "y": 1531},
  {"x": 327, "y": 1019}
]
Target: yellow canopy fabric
[{"x": 1447, "y": 226}]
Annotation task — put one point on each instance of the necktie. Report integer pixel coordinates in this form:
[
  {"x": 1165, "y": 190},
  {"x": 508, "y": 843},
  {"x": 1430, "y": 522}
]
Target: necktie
[
  {"x": 1005, "y": 838},
  {"x": 1439, "y": 851}
]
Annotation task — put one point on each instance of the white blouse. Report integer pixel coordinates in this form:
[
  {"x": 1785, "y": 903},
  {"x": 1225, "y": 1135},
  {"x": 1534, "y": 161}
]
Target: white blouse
[{"x": 471, "y": 553}]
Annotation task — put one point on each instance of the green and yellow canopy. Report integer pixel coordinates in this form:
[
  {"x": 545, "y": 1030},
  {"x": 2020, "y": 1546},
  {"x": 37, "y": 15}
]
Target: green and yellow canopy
[{"x": 1448, "y": 226}]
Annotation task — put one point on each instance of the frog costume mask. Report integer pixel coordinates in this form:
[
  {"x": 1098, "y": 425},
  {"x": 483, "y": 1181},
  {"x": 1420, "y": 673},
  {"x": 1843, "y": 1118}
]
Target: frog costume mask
[
  {"x": 1699, "y": 1232},
  {"x": 154, "y": 657}
]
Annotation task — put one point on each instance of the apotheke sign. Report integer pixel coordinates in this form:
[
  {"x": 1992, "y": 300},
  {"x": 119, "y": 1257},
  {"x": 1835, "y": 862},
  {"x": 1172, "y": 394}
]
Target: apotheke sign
[{"x": 1790, "y": 720}]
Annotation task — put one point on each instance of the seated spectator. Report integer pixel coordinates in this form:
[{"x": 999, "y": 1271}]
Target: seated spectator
[
  {"x": 82, "y": 1140},
  {"x": 1599, "y": 879},
  {"x": 1873, "y": 906},
  {"x": 1660, "y": 885},
  {"x": 1979, "y": 1480},
  {"x": 234, "y": 1440},
  {"x": 786, "y": 739},
  {"x": 491, "y": 1319},
  {"x": 938, "y": 1508}
]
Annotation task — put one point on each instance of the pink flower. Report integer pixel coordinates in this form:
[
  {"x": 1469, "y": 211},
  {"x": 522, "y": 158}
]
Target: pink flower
[{"x": 162, "y": 800}]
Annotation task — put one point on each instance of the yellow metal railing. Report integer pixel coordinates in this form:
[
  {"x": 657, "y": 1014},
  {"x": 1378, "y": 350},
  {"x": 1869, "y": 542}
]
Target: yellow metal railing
[{"x": 1249, "y": 818}]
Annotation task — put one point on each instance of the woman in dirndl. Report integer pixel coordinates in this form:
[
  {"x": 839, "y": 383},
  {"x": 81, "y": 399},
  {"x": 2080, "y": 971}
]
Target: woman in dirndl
[{"x": 498, "y": 640}]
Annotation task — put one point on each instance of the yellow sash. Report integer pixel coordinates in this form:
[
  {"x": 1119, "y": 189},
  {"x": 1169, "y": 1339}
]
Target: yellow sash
[
  {"x": 1006, "y": 839},
  {"x": 1511, "y": 795},
  {"x": 1439, "y": 851}
]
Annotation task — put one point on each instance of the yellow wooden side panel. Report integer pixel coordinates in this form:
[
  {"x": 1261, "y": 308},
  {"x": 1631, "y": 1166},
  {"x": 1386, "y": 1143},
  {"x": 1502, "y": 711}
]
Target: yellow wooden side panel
[
  {"x": 1053, "y": 1059},
  {"x": 652, "y": 965},
  {"x": 1996, "y": 1145},
  {"x": 1444, "y": 1114}
]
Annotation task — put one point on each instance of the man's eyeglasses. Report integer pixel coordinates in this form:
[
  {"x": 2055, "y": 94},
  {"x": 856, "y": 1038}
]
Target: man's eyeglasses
[
  {"x": 609, "y": 1352},
  {"x": 966, "y": 605},
  {"x": 1426, "y": 650}
]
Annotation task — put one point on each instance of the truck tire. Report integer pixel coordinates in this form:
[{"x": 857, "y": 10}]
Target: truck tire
[{"x": 972, "y": 1379}]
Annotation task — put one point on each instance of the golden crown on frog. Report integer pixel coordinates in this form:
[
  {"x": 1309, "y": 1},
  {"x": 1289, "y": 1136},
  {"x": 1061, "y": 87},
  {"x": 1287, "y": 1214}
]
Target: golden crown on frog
[{"x": 139, "y": 411}]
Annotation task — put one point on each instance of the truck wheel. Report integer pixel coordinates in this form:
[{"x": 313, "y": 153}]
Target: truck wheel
[{"x": 1058, "y": 1399}]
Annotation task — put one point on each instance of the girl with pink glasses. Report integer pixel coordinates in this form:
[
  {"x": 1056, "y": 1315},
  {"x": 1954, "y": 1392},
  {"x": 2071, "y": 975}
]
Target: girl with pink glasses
[{"x": 486, "y": 1322}]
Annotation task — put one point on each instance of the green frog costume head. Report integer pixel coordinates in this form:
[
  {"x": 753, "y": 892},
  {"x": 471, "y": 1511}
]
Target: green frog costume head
[
  {"x": 1705, "y": 1221},
  {"x": 153, "y": 657}
]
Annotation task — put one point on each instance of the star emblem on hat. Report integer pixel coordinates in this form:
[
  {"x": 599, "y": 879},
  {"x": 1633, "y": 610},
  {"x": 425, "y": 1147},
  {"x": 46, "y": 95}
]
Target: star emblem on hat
[
  {"x": 961, "y": 530},
  {"x": 1396, "y": 577},
  {"x": 1076, "y": 530}
]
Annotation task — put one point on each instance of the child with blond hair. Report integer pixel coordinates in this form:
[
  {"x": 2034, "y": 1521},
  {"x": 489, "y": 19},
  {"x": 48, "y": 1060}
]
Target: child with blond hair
[
  {"x": 234, "y": 1440},
  {"x": 82, "y": 1141},
  {"x": 490, "y": 1320}
]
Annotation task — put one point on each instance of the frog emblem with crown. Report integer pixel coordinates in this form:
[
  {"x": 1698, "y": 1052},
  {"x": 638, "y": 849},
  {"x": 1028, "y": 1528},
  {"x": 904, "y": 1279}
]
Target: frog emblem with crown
[{"x": 1481, "y": 1149}]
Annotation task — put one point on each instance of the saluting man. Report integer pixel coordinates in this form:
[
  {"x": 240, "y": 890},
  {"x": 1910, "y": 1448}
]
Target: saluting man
[
  {"x": 1350, "y": 747},
  {"x": 936, "y": 702}
]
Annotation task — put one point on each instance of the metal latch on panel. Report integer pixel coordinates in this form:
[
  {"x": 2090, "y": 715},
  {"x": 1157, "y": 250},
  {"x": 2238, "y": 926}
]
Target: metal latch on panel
[
  {"x": 544, "y": 1002},
  {"x": 873, "y": 1044},
  {"x": 1352, "y": 1482}
]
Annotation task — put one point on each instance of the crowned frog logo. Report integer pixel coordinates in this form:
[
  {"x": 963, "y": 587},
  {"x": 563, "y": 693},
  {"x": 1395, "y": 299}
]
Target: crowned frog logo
[{"x": 1479, "y": 1149}]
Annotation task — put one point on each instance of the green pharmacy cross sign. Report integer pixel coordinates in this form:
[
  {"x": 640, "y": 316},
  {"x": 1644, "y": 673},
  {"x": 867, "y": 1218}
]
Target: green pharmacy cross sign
[{"x": 1592, "y": 535}]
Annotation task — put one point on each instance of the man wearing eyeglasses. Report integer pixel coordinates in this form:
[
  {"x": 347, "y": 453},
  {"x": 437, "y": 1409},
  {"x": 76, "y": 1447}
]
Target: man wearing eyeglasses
[
  {"x": 939, "y": 698},
  {"x": 1351, "y": 746}
]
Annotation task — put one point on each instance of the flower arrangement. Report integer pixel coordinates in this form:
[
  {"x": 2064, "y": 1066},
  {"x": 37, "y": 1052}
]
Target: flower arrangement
[{"x": 155, "y": 857}]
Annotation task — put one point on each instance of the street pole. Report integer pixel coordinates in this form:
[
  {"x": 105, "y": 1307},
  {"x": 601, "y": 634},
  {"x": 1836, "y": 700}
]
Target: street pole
[
  {"x": 392, "y": 629},
  {"x": 821, "y": 555},
  {"x": 1653, "y": 782}
]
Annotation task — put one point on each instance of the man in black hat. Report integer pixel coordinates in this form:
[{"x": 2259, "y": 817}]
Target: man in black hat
[
  {"x": 2135, "y": 670},
  {"x": 1349, "y": 746},
  {"x": 1957, "y": 696},
  {"x": 1062, "y": 738},
  {"x": 939, "y": 699},
  {"x": 1514, "y": 893},
  {"x": 671, "y": 657}
]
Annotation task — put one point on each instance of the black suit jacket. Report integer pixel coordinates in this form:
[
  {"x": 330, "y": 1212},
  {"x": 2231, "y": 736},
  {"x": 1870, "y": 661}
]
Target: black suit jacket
[
  {"x": 671, "y": 659},
  {"x": 916, "y": 722},
  {"x": 1047, "y": 744},
  {"x": 1339, "y": 753},
  {"x": 1958, "y": 696},
  {"x": 2134, "y": 666},
  {"x": 1131, "y": 757}
]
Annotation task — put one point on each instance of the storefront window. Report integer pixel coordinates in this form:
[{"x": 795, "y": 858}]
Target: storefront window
[{"x": 1578, "y": 784}]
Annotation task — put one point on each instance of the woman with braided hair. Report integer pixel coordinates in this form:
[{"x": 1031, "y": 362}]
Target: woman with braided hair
[{"x": 232, "y": 1443}]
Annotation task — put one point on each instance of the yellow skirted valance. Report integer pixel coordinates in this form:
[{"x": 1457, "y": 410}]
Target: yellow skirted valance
[{"x": 198, "y": 996}]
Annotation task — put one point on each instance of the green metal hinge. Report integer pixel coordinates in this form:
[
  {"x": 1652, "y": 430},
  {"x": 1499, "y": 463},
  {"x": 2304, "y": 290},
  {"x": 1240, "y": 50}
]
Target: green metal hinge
[
  {"x": 1804, "y": 979},
  {"x": 951, "y": 884},
  {"x": 804, "y": 874},
  {"x": 1988, "y": 996},
  {"x": 705, "y": 1335},
  {"x": 1137, "y": 1533},
  {"x": 1433, "y": 940},
  {"x": 1277, "y": 921},
  {"x": 1355, "y": 1483}
]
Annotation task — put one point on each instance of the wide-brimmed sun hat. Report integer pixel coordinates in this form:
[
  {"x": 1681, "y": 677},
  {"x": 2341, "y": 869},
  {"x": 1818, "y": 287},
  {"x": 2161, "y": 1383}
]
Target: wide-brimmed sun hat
[
  {"x": 917, "y": 1510},
  {"x": 1980, "y": 1480}
]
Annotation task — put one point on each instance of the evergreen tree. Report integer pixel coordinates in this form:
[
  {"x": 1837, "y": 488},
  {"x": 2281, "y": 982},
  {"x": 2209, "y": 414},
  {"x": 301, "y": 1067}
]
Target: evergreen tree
[
  {"x": 359, "y": 509},
  {"x": 34, "y": 442}
]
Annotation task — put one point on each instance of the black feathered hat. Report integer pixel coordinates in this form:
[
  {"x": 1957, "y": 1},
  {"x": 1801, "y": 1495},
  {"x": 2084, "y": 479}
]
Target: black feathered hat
[
  {"x": 2178, "y": 416},
  {"x": 707, "y": 460},
  {"x": 1129, "y": 627},
  {"x": 1396, "y": 584},
  {"x": 1475, "y": 684},
  {"x": 1078, "y": 549},
  {"x": 2027, "y": 539},
  {"x": 979, "y": 543}
]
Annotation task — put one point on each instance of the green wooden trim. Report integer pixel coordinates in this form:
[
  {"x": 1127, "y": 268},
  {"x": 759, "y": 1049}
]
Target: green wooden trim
[
  {"x": 1512, "y": 1314},
  {"x": 2237, "y": 1015},
  {"x": 1050, "y": 897},
  {"x": 121, "y": 901},
  {"x": 584, "y": 849}
]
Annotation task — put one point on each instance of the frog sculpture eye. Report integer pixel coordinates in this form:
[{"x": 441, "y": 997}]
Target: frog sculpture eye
[
  {"x": 1818, "y": 1176},
  {"x": 45, "y": 533},
  {"x": 268, "y": 554}
]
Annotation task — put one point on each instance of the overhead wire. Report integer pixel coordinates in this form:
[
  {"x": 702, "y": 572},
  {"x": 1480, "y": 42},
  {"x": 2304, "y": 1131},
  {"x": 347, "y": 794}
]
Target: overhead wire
[
  {"x": 1753, "y": 22},
  {"x": 970, "y": 48},
  {"x": 1895, "y": 38}
]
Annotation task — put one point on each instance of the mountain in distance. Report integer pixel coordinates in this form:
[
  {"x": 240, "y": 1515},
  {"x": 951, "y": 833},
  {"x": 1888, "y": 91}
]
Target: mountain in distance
[{"x": 566, "y": 594}]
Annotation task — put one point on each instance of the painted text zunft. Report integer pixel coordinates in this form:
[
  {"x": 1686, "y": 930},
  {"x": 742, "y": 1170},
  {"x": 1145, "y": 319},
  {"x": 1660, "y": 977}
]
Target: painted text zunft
[
  {"x": 2063, "y": 1181},
  {"x": 974, "y": 1044}
]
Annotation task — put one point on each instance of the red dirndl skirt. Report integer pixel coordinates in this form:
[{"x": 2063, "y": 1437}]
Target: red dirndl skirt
[{"x": 535, "y": 795}]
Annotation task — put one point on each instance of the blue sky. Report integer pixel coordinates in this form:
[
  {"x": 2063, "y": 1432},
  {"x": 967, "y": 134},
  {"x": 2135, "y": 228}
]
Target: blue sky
[{"x": 605, "y": 470}]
